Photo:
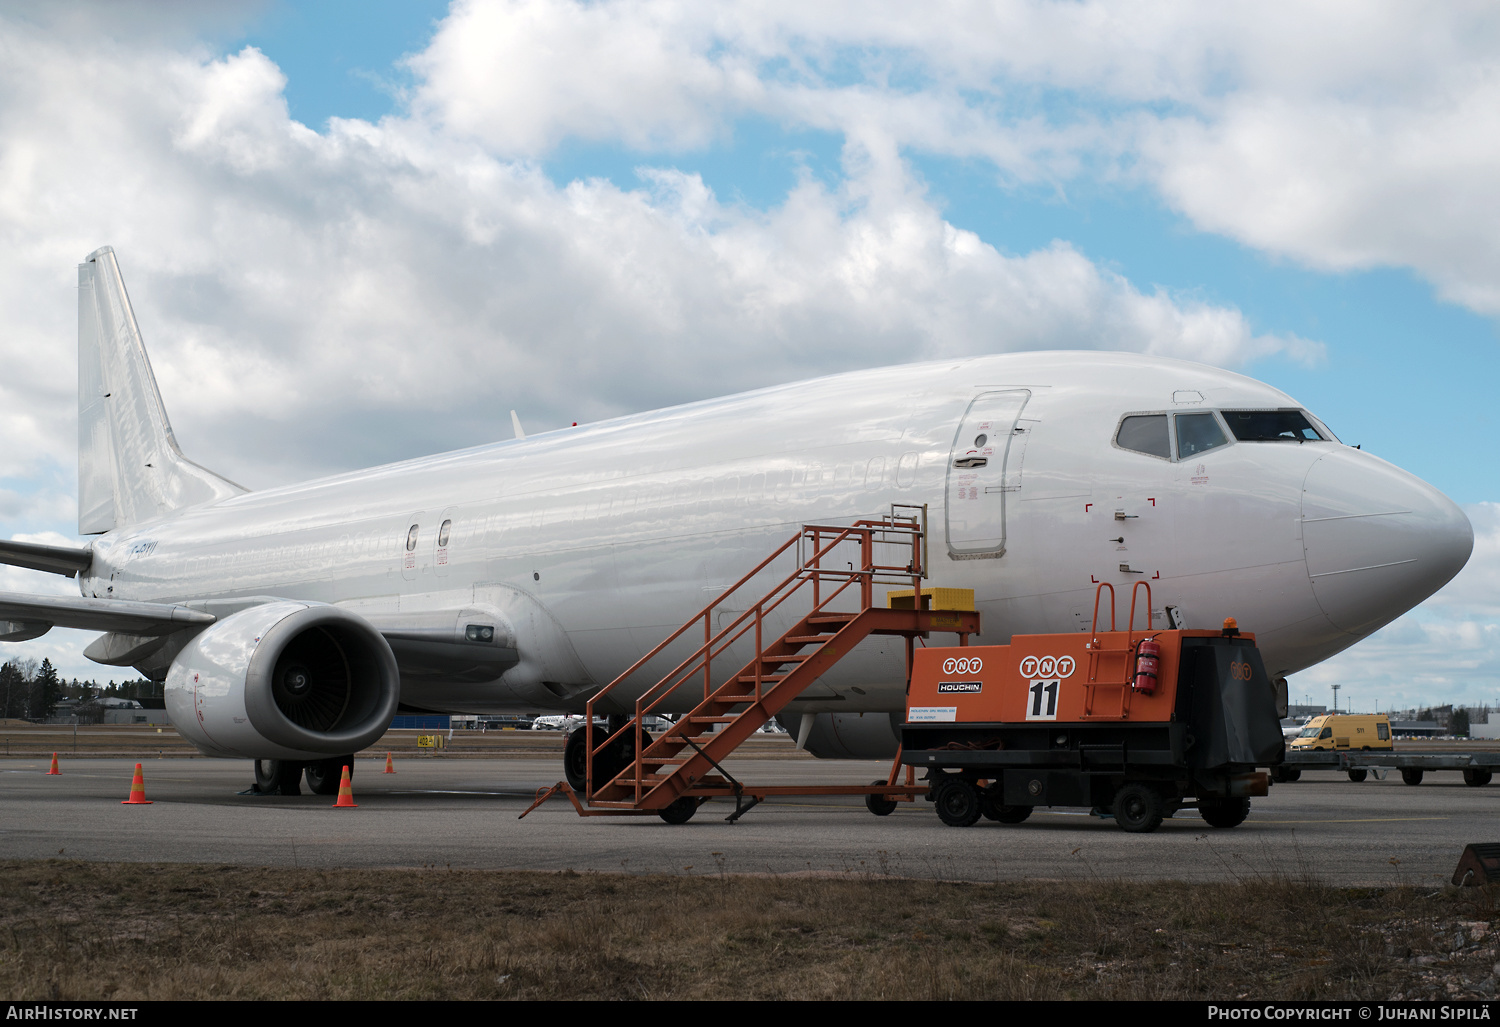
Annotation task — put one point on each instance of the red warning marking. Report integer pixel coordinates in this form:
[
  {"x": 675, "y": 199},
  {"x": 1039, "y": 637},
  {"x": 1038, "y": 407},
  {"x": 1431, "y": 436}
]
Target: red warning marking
[
  {"x": 1151, "y": 501},
  {"x": 1086, "y": 507}
]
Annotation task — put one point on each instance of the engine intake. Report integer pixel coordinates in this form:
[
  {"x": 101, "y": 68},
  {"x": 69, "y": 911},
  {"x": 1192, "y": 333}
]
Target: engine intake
[{"x": 284, "y": 681}]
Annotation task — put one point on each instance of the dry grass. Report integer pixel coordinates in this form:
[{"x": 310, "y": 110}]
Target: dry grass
[{"x": 135, "y": 931}]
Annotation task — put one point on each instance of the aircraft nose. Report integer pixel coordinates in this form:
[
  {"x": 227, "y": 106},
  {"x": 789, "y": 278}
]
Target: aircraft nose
[{"x": 1377, "y": 540}]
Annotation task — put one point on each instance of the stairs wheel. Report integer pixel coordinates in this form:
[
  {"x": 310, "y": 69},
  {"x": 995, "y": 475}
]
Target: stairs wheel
[
  {"x": 880, "y": 805},
  {"x": 681, "y": 811}
]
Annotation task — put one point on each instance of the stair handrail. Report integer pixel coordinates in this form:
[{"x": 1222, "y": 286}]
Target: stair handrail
[{"x": 807, "y": 570}]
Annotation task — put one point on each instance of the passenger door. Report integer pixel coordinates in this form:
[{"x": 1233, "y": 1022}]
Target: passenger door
[{"x": 976, "y": 483}]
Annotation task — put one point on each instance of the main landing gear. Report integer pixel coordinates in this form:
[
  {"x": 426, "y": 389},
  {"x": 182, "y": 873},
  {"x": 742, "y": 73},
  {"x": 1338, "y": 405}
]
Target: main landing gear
[{"x": 281, "y": 777}]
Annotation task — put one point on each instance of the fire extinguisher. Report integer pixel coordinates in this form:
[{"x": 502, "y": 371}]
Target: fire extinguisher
[{"x": 1147, "y": 663}]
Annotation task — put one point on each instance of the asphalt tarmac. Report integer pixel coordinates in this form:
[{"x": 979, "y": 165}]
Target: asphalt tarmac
[{"x": 463, "y": 813}]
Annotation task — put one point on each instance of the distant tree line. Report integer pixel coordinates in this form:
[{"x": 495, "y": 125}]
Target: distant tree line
[{"x": 32, "y": 691}]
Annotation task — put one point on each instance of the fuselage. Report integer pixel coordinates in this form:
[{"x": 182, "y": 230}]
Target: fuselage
[{"x": 597, "y": 541}]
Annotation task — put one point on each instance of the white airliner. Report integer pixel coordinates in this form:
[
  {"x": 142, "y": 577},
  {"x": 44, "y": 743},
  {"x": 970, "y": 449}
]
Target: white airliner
[{"x": 289, "y": 624}]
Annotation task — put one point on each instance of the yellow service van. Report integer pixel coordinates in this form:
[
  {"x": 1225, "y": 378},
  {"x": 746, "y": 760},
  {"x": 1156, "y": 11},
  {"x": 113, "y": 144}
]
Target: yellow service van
[{"x": 1345, "y": 731}]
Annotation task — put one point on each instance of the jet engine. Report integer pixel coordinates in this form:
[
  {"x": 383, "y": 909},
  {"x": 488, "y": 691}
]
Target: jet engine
[
  {"x": 846, "y": 736},
  {"x": 284, "y": 680}
]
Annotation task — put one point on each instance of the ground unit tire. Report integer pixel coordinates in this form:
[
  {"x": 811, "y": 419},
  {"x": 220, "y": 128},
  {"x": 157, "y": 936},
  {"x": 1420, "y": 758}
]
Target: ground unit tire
[
  {"x": 957, "y": 802},
  {"x": 1012, "y": 814},
  {"x": 1138, "y": 808},
  {"x": 1477, "y": 777},
  {"x": 880, "y": 805},
  {"x": 1411, "y": 775},
  {"x": 1224, "y": 812},
  {"x": 679, "y": 812},
  {"x": 1358, "y": 774}
]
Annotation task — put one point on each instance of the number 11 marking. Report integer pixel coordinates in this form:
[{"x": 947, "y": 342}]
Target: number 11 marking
[{"x": 1043, "y": 693}]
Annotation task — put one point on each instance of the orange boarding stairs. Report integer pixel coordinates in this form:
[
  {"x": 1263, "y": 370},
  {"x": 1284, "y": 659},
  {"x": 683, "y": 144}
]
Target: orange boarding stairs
[{"x": 837, "y": 571}]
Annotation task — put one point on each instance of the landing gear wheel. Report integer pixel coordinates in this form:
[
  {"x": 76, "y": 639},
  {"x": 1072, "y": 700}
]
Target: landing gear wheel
[
  {"x": 1358, "y": 774},
  {"x": 1138, "y": 808},
  {"x": 277, "y": 777},
  {"x": 1411, "y": 775},
  {"x": 1477, "y": 777},
  {"x": 323, "y": 776},
  {"x": 957, "y": 803},
  {"x": 607, "y": 764},
  {"x": 575, "y": 756},
  {"x": 1224, "y": 812},
  {"x": 880, "y": 805},
  {"x": 681, "y": 811}
]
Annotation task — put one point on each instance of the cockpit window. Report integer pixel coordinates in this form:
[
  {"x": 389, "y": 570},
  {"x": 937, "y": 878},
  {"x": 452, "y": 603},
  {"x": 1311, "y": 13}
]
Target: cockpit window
[
  {"x": 1145, "y": 433},
  {"x": 1198, "y": 433},
  {"x": 1271, "y": 426}
]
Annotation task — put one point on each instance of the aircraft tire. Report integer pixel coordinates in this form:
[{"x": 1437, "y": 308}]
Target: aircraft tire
[
  {"x": 607, "y": 764},
  {"x": 957, "y": 803},
  {"x": 681, "y": 811},
  {"x": 1224, "y": 812},
  {"x": 574, "y": 757},
  {"x": 1411, "y": 775},
  {"x": 880, "y": 805},
  {"x": 1138, "y": 808},
  {"x": 323, "y": 776},
  {"x": 1477, "y": 777},
  {"x": 1358, "y": 774},
  {"x": 278, "y": 777}
]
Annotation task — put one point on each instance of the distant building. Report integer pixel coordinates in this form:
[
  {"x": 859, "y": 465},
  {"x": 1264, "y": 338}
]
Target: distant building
[{"x": 1416, "y": 728}]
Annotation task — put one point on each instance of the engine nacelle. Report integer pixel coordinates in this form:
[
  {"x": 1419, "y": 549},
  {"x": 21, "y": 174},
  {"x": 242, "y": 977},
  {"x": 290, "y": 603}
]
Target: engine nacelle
[
  {"x": 284, "y": 681},
  {"x": 846, "y": 736}
]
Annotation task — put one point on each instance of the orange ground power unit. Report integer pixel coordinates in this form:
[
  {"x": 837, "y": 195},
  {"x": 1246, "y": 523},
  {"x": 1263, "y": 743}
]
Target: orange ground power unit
[{"x": 1135, "y": 724}]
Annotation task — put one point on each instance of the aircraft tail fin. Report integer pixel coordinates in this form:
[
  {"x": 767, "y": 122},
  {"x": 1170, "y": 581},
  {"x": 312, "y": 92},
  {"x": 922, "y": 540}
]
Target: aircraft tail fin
[{"x": 129, "y": 467}]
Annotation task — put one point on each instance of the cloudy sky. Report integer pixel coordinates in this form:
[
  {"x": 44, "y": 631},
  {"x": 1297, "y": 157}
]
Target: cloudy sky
[{"x": 358, "y": 232}]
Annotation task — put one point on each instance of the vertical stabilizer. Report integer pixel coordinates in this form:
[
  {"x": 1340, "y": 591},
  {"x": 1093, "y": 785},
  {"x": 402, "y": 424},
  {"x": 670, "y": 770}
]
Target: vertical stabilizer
[{"x": 129, "y": 467}]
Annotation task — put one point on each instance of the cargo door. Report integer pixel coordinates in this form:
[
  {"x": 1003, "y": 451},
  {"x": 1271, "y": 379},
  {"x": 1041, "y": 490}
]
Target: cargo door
[{"x": 977, "y": 485}]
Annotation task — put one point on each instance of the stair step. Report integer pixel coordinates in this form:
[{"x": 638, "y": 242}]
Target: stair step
[
  {"x": 806, "y": 639},
  {"x": 763, "y": 678},
  {"x": 729, "y": 719},
  {"x": 788, "y": 658},
  {"x": 662, "y": 761},
  {"x": 830, "y": 618}
]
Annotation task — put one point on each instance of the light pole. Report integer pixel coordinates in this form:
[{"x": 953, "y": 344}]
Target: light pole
[{"x": 1336, "y": 697}]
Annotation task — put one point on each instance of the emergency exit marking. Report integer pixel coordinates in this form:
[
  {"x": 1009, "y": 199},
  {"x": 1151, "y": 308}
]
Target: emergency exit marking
[{"x": 1043, "y": 700}]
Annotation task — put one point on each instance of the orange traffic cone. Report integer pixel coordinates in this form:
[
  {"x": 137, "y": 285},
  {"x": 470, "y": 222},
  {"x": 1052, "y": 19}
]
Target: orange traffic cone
[
  {"x": 54, "y": 769},
  {"x": 137, "y": 790},
  {"x": 388, "y": 768},
  {"x": 346, "y": 792}
]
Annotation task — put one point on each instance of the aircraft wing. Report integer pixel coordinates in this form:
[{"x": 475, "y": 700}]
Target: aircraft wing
[
  {"x": 28, "y": 616},
  {"x": 468, "y": 644},
  {"x": 66, "y": 560}
]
